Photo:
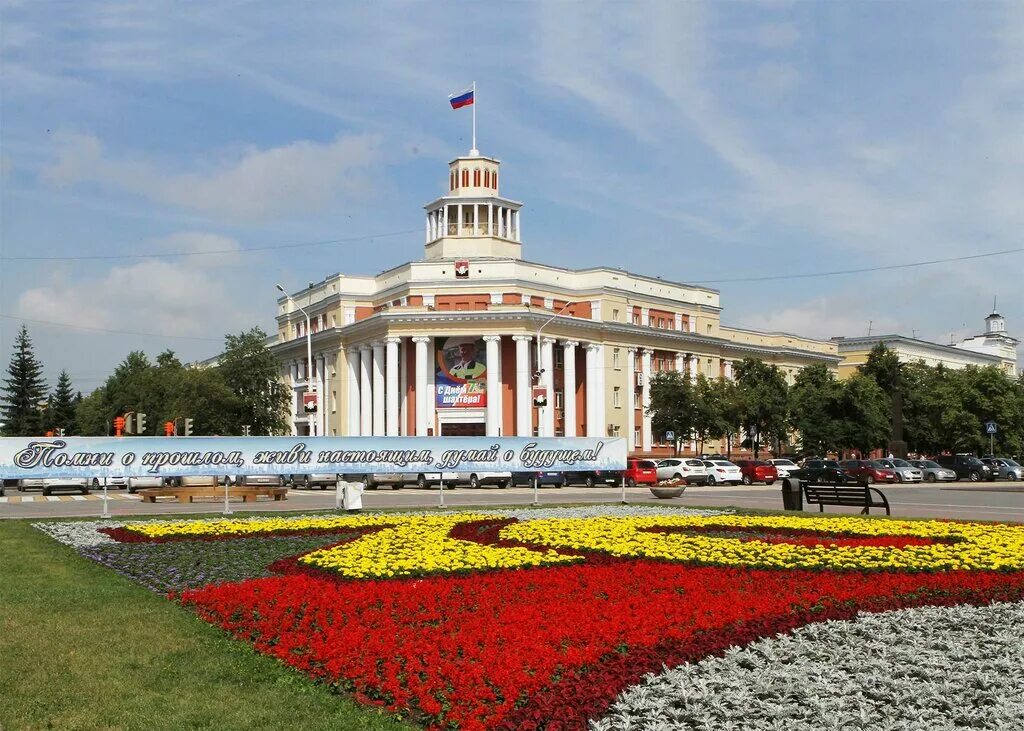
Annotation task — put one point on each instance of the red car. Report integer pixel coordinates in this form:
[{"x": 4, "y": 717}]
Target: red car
[
  {"x": 868, "y": 470},
  {"x": 756, "y": 470},
  {"x": 641, "y": 472}
]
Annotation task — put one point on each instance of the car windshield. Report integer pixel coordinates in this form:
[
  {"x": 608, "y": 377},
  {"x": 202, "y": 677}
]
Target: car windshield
[
  {"x": 929, "y": 464},
  {"x": 668, "y": 463},
  {"x": 901, "y": 463},
  {"x": 875, "y": 465},
  {"x": 783, "y": 463},
  {"x": 724, "y": 463},
  {"x": 830, "y": 463},
  {"x": 646, "y": 464},
  {"x": 694, "y": 463},
  {"x": 972, "y": 461},
  {"x": 1011, "y": 462}
]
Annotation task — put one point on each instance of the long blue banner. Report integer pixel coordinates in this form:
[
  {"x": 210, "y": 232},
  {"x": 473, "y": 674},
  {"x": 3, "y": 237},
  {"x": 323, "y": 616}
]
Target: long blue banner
[{"x": 180, "y": 456}]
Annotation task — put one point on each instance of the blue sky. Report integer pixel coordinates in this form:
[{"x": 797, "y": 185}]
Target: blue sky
[{"x": 686, "y": 140}]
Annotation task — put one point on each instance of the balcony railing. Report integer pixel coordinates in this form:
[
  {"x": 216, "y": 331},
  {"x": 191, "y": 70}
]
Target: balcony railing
[{"x": 482, "y": 229}]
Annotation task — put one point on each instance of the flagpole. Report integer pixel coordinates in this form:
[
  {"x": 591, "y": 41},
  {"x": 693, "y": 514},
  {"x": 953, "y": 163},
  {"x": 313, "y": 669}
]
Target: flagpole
[{"x": 474, "y": 151}]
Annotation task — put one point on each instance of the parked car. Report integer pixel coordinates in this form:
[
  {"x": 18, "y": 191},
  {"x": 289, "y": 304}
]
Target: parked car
[
  {"x": 815, "y": 463},
  {"x": 137, "y": 483},
  {"x": 783, "y": 466},
  {"x": 690, "y": 470},
  {"x": 30, "y": 483},
  {"x": 258, "y": 480},
  {"x": 1004, "y": 468},
  {"x": 868, "y": 471},
  {"x": 476, "y": 479},
  {"x": 72, "y": 483},
  {"x": 395, "y": 480},
  {"x": 113, "y": 483},
  {"x": 722, "y": 470},
  {"x": 641, "y": 472},
  {"x": 555, "y": 479},
  {"x": 966, "y": 466},
  {"x": 905, "y": 472},
  {"x": 199, "y": 480},
  {"x": 756, "y": 470},
  {"x": 590, "y": 478},
  {"x": 933, "y": 471},
  {"x": 323, "y": 480},
  {"x": 824, "y": 474}
]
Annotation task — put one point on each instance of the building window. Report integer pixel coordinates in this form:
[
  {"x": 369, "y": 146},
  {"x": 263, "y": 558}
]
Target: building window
[
  {"x": 615, "y": 315},
  {"x": 636, "y": 437},
  {"x": 559, "y": 431},
  {"x": 709, "y": 328},
  {"x": 487, "y": 178},
  {"x": 559, "y": 400},
  {"x": 465, "y": 178},
  {"x": 494, "y": 180},
  {"x": 616, "y": 400},
  {"x": 452, "y": 179},
  {"x": 559, "y": 358},
  {"x": 334, "y": 402},
  {"x": 637, "y": 400},
  {"x": 615, "y": 358},
  {"x": 615, "y": 430},
  {"x": 636, "y": 318},
  {"x": 476, "y": 178}
]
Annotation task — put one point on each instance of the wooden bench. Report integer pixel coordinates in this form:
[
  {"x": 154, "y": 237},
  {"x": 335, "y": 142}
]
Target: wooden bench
[
  {"x": 185, "y": 494},
  {"x": 853, "y": 495}
]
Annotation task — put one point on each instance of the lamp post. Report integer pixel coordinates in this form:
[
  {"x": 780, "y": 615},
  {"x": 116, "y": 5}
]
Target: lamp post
[
  {"x": 310, "y": 386},
  {"x": 540, "y": 368}
]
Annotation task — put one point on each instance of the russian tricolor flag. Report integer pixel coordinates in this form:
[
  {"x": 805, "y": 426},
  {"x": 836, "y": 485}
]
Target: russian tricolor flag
[{"x": 462, "y": 100}]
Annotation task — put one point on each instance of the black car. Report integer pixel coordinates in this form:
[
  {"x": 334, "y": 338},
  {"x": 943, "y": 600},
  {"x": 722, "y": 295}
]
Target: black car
[
  {"x": 966, "y": 466},
  {"x": 555, "y": 479},
  {"x": 590, "y": 478},
  {"x": 823, "y": 472}
]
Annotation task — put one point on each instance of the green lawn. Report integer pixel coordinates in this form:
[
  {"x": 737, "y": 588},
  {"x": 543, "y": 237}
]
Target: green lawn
[{"x": 83, "y": 648}]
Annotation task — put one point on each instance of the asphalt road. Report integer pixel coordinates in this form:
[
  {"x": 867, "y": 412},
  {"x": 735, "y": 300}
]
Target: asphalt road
[{"x": 1000, "y": 501}]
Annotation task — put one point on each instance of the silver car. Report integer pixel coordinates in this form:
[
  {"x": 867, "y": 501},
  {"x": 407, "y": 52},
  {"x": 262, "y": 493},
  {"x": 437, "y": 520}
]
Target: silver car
[
  {"x": 933, "y": 471},
  {"x": 143, "y": 481},
  {"x": 1004, "y": 468},
  {"x": 259, "y": 480},
  {"x": 323, "y": 480},
  {"x": 905, "y": 472}
]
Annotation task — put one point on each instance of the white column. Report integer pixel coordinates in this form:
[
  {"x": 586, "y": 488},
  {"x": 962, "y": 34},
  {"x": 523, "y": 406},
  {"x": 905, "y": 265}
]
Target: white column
[
  {"x": 694, "y": 363},
  {"x": 458, "y": 226},
  {"x": 420, "y": 388},
  {"x": 293, "y": 373},
  {"x": 645, "y": 401},
  {"x": 680, "y": 362},
  {"x": 391, "y": 426},
  {"x": 600, "y": 371},
  {"x": 569, "y": 386},
  {"x": 728, "y": 370},
  {"x": 493, "y": 384},
  {"x": 591, "y": 377},
  {"x": 547, "y": 424},
  {"x": 352, "y": 355},
  {"x": 378, "y": 389},
  {"x": 431, "y": 364},
  {"x": 645, "y": 317},
  {"x": 403, "y": 388},
  {"x": 323, "y": 387},
  {"x": 366, "y": 391},
  {"x": 630, "y": 399},
  {"x": 524, "y": 395}
]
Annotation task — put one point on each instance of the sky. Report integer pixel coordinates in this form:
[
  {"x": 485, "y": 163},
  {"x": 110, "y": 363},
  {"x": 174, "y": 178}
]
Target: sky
[{"x": 701, "y": 142}]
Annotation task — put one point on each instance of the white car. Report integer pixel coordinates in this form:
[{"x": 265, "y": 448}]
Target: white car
[
  {"x": 692, "y": 471},
  {"x": 476, "y": 479},
  {"x": 74, "y": 483},
  {"x": 722, "y": 470},
  {"x": 783, "y": 466},
  {"x": 137, "y": 483}
]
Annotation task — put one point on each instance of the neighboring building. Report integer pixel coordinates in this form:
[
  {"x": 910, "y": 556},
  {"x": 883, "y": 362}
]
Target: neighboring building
[
  {"x": 994, "y": 348},
  {"x": 448, "y": 345}
]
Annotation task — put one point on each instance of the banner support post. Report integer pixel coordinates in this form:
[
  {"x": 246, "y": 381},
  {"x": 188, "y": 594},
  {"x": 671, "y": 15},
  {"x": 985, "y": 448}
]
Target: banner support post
[
  {"x": 339, "y": 486},
  {"x": 227, "y": 505},
  {"x": 440, "y": 486},
  {"x": 536, "y": 496},
  {"x": 623, "y": 488},
  {"x": 106, "y": 510}
]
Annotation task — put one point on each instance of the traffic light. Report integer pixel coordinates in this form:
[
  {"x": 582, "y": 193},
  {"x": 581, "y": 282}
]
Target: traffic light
[
  {"x": 49, "y": 433},
  {"x": 168, "y": 428},
  {"x": 140, "y": 423},
  {"x": 60, "y": 432},
  {"x": 118, "y": 425},
  {"x": 188, "y": 427},
  {"x": 129, "y": 423}
]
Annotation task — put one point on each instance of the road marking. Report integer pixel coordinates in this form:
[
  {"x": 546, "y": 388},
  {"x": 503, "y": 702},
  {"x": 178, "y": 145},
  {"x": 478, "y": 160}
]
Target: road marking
[
  {"x": 78, "y": 497},
  {"x": 53, "y": 498}
]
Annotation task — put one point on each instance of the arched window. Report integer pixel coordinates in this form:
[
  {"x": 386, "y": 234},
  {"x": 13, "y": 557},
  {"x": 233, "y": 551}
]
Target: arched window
[
  {"x": 487, "y": 178},
  {"x": 465, "y": 178},
  {"x": 476, "y": 177},
  {"x": 494, "y": 180},
  {"x": 451, "y": 181}
]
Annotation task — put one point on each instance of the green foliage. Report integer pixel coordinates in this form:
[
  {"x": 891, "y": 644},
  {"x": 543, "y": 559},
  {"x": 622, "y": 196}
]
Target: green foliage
[
  {"x": 764, "y": 397},
  {"x": 24, "y": 391},
  {"x": 60, "y": 412},
  {"x": 251, "y": 371},
  {"x": 814, "y": 402},
  {"x": 864, "y": 414},
  {"x": 717, "y": 414},
  {"x": 883, "y": 367},
  {"x": 672, "y": 407}
]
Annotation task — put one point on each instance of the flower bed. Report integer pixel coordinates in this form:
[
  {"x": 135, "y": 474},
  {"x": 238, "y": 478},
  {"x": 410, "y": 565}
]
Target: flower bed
[{"x": 516, "y": 620}]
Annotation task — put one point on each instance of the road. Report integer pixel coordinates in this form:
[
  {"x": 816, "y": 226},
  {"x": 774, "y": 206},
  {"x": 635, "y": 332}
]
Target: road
[{"x": 989, "y": 501}]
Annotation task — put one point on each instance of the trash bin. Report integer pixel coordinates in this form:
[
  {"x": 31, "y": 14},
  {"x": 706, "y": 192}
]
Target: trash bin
[
  {"x": 792, "y": 494},
  {"x": 354, "y": 495}
]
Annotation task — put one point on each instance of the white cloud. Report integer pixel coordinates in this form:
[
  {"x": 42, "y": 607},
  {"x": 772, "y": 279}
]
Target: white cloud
[
  {"x": 822, "y": 317},
  {"x": 300, "y": 177}
]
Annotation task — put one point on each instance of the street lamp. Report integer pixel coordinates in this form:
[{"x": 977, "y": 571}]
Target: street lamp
[
  {"x": 310, "y": 386},
  {"x": 540, "y": 368}
]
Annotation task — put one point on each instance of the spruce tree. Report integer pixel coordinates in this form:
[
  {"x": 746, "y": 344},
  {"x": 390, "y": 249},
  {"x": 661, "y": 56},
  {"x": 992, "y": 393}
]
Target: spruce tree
[
  {"x": 61, "y": 411},
  {"x": 21, "y": 400}
]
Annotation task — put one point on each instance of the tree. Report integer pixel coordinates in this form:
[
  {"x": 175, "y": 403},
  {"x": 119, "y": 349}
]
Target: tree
[
  {"x": 24, "y": 391},
  {"x": 814, "y": 404},
  {"x": 764, "y": 395},
  {"x": 251, "y": 371},
  {"x": 60, "y": 413},
  {"x": 712, "y": 410},
  {"x": 672, "y": 405},
  {"x": 863, "y": 408}
]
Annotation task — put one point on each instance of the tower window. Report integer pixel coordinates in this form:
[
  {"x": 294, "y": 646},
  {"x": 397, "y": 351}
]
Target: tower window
[
  {"x": 465, "y": 178},
  {"x": 487, "y": 178},
  {"x": 476, "y": 178},
  {"x": 451, "y": 181},
  {"x": 494, "y": 180}
]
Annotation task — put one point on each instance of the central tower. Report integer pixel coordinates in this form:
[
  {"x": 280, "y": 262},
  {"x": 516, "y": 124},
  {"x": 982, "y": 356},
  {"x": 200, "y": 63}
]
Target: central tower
[{"x": 473, "y": 220}]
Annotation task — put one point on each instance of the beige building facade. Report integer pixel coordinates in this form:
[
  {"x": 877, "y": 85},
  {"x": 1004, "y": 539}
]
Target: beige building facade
[{"x": 476, "y": 340}]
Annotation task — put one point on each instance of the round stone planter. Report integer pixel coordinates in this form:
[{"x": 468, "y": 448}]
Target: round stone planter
[{"x": 668, "y": 491}]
